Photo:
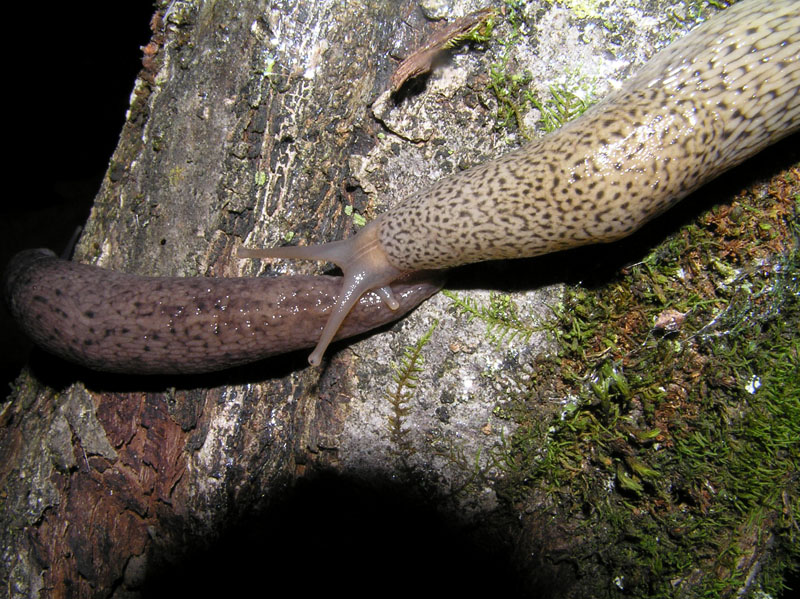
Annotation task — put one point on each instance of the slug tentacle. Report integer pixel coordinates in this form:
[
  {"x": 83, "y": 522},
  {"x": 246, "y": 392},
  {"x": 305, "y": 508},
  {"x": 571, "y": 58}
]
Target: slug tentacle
[{"x": 364, "y": 265}]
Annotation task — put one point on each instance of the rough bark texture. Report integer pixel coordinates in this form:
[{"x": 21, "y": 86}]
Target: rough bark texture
[{"x": 251, "y": 121}]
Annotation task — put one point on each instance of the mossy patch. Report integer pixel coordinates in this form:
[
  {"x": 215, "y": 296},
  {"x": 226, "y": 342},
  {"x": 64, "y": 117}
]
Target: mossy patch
[{"x": 680, "y": 439}]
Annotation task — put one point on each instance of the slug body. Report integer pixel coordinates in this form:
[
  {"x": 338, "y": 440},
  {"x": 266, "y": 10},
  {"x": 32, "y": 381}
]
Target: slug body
[
  {"x": 118, "y": 322},
  {"x": 698, "y": 108}
]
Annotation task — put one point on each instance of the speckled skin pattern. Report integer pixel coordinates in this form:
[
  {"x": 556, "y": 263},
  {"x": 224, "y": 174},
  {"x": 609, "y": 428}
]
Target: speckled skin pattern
[
  {"x": 701, "y": 106},
  {"x": 118, "y": 322}
]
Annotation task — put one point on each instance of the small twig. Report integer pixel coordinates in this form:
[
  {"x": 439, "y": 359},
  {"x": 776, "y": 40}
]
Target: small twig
[{"x": 421, "y": 61}]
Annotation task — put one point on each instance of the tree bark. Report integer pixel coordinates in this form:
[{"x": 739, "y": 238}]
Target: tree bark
[{"x": 251, "y": 122}]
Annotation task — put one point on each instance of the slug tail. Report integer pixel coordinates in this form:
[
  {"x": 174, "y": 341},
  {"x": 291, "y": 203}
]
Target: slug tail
[{"x": 364, "y": 264}]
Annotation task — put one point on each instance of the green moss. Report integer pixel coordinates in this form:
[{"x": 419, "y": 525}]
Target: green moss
[
  {"x": 406, "y": 374},
  {"x": 479, "y": 34},
  {"x": 676, "y": 452},
  {"x": 562, "y": 106},
  {"x": 500, "y": 315},
  {"x": 358, "y": 219},
  {"x": 512, "y": 89},
  {"x": 678, "y": 449},
  {"x": 696, "y": 10}
]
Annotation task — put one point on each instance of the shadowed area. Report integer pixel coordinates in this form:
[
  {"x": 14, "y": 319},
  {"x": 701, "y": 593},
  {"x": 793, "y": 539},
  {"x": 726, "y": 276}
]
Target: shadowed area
[{"x": 360, "y": 537}]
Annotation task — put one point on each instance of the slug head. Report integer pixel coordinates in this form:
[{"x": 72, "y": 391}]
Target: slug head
[{"x": 364, "y": 265}]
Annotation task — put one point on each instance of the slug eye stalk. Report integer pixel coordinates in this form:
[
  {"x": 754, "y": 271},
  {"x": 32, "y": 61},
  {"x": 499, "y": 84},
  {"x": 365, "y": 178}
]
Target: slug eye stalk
[{"x": 364, "y": 265}]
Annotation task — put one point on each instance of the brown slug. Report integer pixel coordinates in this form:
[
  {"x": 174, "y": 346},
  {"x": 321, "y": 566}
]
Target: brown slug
[{"x": 118, "y": 322}]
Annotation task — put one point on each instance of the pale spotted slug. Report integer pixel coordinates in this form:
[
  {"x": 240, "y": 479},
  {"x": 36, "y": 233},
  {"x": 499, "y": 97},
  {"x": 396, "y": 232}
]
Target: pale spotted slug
[{"x": 699, "y": 107}]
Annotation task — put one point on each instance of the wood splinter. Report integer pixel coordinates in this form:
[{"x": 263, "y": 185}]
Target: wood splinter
[{"x": 421, "y": 61}]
